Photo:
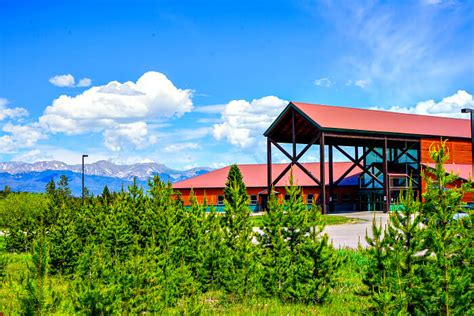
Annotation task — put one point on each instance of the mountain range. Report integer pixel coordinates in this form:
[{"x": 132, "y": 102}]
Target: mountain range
[{"x": 32, "y": 177}]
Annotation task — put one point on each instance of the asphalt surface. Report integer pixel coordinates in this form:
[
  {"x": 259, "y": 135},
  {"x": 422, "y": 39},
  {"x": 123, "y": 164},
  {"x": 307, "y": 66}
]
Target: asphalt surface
[{"x": 349, "y": 235}]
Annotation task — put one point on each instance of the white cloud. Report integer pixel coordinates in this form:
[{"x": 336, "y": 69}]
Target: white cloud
[
  {"x": 243, "y": 122},
  {"x": 63, "y": 80},
  {"x": 19, "y": 137},
  {"x": 119, "y": 110},
  {"x": 69, "y": 81},
  {"x": 323, "y": 82},
  {"x": 135, "y": 133},
  {"x": 450, "y": 106},
  {"x": 181, "y": 147},
  {"x": 84, "y": 82},
  {"x": 6, "y": 112}
]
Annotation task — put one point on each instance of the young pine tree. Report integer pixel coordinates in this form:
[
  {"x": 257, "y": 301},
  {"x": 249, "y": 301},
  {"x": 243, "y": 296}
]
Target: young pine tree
[
  {"x": 275, "y": 254},
  {"x": 448, "y": 273},
  {"x": 39, "y": 297},
  {"x": 396, "y": 259},
  {"x": 313, "y": 262},
  {"x": 238, "y": 231}
]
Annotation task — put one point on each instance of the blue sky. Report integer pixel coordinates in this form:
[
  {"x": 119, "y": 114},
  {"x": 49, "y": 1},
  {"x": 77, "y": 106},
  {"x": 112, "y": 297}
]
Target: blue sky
[{"x": 195, "y": 83}]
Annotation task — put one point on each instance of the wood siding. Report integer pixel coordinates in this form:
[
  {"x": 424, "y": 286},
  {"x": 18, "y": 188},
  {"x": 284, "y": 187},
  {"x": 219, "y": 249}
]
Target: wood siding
[
  {"x": 460, "y": 151},
  {"x": 212, "y": 194}
]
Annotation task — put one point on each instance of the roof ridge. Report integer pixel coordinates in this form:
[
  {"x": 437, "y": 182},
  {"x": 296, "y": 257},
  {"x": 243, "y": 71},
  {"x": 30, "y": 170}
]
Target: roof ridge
[{"x": 377, "y": 110}]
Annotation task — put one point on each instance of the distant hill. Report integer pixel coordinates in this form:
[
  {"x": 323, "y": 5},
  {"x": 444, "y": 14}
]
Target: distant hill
[{"x": 32, "y": 177}]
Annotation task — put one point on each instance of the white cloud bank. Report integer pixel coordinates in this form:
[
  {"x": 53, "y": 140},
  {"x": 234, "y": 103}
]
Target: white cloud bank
[
  {"x": 119, "y": 110},
  {"x": 243, "y": 122},
  {"x": 450, "y": 106},
  {"x": 19, "y": 137}
]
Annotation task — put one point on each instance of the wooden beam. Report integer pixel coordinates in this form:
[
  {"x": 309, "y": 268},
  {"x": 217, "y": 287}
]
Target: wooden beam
[
  {"x": 293, "y": 162},
  {"x": 293, "y": 132},
  {"x": 333, "y": 135},
  {"x": 357, "y": 163},
  {"x": 322, "y": 175},
  {"x": 386, "y": 178},
  {"x": 269, "y": 166},
  {"x": 331, "y": 179}
]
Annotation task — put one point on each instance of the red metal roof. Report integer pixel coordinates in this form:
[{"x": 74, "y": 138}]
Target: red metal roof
[
  {"x": 344, "y": 118},
  {"x": 464, "y": 171},
  {"x": 255, "y": 175}
]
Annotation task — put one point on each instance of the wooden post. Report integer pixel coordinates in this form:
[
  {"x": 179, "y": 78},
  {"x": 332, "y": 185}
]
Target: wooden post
[
  {"x": 322, "y": 177},
  {"x": 293, "y": 130},
  {"x": 269, "y": 166},
  {"x": 386, "y": 178},
  {"x": 331, "y": 180}
]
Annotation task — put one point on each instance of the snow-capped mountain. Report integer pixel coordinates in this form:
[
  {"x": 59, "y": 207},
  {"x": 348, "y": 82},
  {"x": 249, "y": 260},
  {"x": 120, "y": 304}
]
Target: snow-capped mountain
[{"x": 105, "y": 169}]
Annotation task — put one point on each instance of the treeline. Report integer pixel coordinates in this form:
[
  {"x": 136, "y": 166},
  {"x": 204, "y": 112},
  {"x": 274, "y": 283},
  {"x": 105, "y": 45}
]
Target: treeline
[
  {"x": 137, "y": 251},
  {"x": 140, "y": 251}
]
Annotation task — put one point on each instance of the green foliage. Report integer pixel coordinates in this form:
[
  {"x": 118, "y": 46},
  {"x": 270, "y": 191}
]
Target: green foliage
[
  {"x": 298, "y": 262},
  {"x": 20, "y": 215},
  {"x": 393, "y": 273},
  {"x": 448, "y": 274},
  {"x": 38, "y": 296},
  {"x": 421, "y": 262},
  {"x": 240, "y": 252}
]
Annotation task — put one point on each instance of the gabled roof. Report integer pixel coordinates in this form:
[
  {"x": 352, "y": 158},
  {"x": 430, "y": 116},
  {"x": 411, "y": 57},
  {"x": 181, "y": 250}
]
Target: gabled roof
[
  {"x": 255, "y": 175},
  {"x": 464, "y": 171},
  {"x": 337, "y": 118}
]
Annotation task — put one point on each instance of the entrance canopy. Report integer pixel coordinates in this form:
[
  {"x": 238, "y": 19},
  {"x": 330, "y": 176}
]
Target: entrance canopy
[{"x": 383, "y": 142}]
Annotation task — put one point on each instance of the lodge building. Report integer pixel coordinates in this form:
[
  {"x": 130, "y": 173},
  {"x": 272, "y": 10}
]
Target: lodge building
[{"x": 384, "y": 152}]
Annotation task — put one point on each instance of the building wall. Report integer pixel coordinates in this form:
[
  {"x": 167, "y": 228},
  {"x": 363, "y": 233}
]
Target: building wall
[
  {"x": 346, "y": 195},
  {"x": 460, "y": 151}
]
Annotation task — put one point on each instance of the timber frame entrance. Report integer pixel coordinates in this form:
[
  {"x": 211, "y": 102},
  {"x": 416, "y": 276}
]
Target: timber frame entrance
[{"x": 376, "y": 154}]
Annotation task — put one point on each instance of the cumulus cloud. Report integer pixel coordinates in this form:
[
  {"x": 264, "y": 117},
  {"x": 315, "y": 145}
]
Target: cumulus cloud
[
  {"x": 121, "y": 135},
  {"x": 69, "y": 81},
  {"x": 449, "y": 106},
  {"x": 84, "y": 82},
  {"x": 243, "y": 122},
  {"x": 323, "y": 82},
  {"x": 63, "y": 80},
  {"x": 6, "y": 112},
  {"x": 119, "y": 110},
  {"x": 19, "y": 137}
]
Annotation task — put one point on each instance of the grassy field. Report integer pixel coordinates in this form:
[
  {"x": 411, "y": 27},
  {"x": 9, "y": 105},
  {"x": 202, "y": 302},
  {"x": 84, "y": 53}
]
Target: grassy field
[
  {"x": 330, "y": 220},
  {"x": 344, "y": 299}
]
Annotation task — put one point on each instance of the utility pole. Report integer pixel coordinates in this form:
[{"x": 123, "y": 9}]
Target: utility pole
[
  {"x": 83, "y": 156},
  {"x": 471, "y": 111}
]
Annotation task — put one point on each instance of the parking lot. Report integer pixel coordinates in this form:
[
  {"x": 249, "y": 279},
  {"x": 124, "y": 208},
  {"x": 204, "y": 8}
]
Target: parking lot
[{"x": 349, "y": 235}]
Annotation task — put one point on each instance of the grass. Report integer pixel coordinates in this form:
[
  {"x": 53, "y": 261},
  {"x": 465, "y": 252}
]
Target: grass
[
  {"x": 330, "y": 220},
  {"x": 344, "y": 297}
]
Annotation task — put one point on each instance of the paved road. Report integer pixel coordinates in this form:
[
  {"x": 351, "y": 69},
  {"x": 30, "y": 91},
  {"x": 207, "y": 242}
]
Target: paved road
[{"x": 349, "y": 235}]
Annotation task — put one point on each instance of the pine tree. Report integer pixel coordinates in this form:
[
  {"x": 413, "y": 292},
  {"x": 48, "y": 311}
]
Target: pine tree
[
  {"x": 313, "y": 262},
  {"x": 396, "y": 258},
  {"x": 448, "y": 276},
  {"x": 39, "y": 297},
  {"x": 275, "y": 254},
  {"x": 238, "y": 236}
]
